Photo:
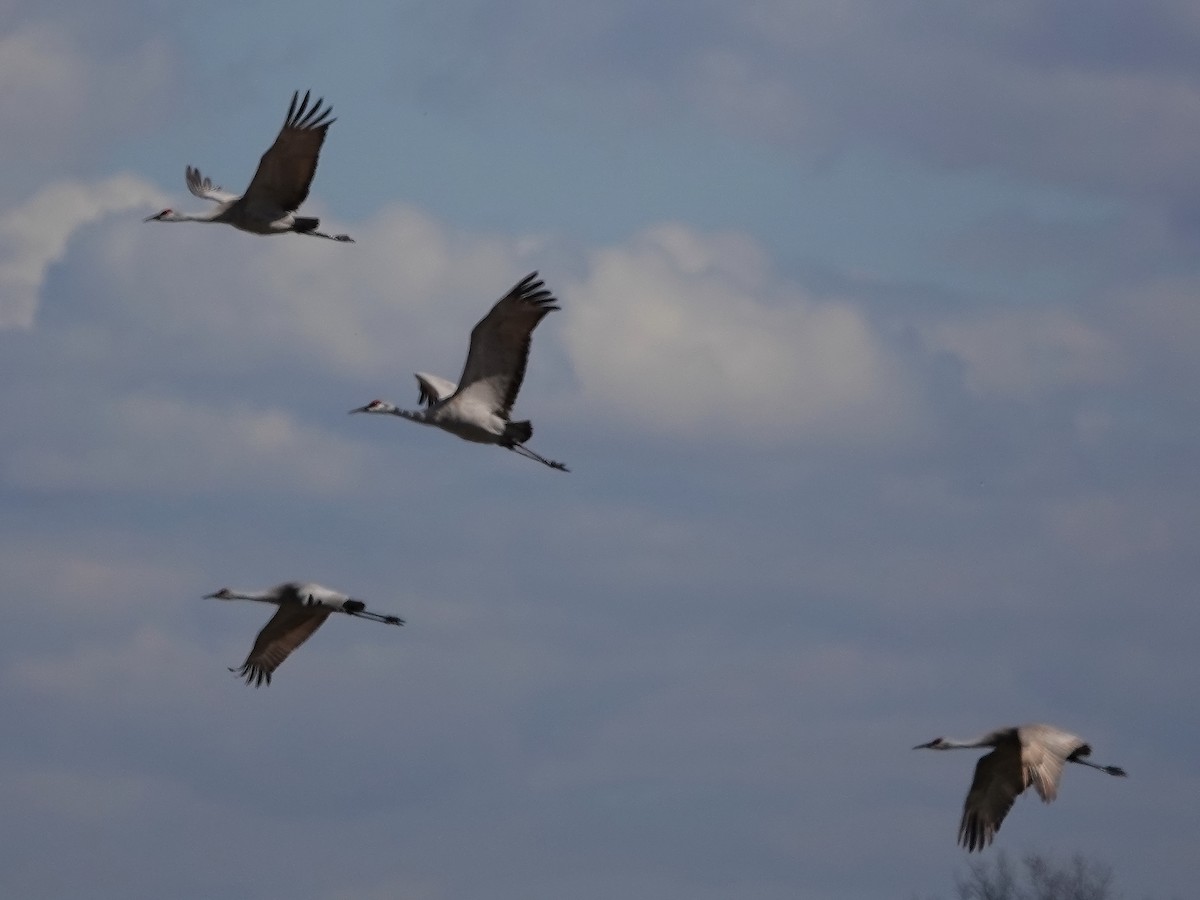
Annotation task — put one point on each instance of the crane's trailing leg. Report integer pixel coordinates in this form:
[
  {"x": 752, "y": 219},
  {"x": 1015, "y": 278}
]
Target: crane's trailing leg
[
  {"x": 515, "y": 436},
  {"x": 375, "y": 617},
  {"x": 1085, "y": 750},
  {"x": 305, "y": 225},
  {"x": 529, "y": 454},
  {"x": 359, "y": 609}
]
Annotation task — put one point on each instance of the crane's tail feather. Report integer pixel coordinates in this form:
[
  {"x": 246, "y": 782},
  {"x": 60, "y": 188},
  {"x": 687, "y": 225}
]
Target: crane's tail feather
[{"x": 518, "y": 432}]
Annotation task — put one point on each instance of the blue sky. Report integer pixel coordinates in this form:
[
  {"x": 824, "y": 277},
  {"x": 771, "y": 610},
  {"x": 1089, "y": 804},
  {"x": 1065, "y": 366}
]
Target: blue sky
[{"x": 876, "y": 374}]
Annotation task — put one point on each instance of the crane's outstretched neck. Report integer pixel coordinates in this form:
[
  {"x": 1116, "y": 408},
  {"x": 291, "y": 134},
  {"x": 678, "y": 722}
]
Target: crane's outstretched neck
[
  {"x": 988, "y": 740},
  {"x": 258, "y": 596},
  {"x": 418, "y": 415},
  {"x": 169, "y": 215}
]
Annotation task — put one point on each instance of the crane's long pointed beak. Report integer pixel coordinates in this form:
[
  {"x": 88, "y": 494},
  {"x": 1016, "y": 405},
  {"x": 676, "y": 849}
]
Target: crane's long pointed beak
[{"x": 360, "y": 409}]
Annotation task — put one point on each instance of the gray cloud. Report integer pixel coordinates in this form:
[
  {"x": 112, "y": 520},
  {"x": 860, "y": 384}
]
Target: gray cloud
[
  {"x": 691, "y": 668},
  {"x": 1099, "y": 98}
]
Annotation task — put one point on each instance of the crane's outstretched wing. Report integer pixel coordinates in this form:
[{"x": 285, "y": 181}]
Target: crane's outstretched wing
[
  {"x": 203, "y": 187},
  {"x": 1046, "y": 749},
  {"x": 999, "y": 780},
  {"x": 434, "y": 388},
  {"x": 290, "y": 627},
  {"x": 286, "y": 170},
  {"x": 500, "y": 345}
]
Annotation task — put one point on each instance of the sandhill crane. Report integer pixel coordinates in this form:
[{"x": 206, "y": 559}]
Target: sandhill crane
[
  {"x": 477, "y": 408},
  {"x": 302, "y": 609},
  {"x": 278, "y": 187},
  {"x": 1022, "y": 755}
]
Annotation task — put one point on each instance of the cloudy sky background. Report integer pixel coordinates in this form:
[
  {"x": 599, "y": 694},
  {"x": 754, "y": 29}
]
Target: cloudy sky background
[{"x": 876, "y": 370}]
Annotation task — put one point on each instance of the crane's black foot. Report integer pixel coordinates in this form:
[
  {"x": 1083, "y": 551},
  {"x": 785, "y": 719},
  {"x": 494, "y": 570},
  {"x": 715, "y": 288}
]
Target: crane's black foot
[
  {"x": 393, "y": 620},
  {"x": 344, "y": 238},
  {"x": 1115, "y": 770}
]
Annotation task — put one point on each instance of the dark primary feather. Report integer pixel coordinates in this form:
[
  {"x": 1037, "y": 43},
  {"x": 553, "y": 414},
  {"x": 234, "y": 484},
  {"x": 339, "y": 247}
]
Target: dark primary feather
[
  {"x": 999, "y": 780},
  {"x": 291, "y": 626},
  {"x": 286, "y": 170},
  {"x": 500, "y": 340}
]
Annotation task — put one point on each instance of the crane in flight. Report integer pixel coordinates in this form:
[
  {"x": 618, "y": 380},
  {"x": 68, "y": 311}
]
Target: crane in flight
[
  {"x": 278, "y": 187},
  {"x": 1021, "y": 756},
  {"x": 303, "y": 608},
  {"x": 477, "y": 408}
]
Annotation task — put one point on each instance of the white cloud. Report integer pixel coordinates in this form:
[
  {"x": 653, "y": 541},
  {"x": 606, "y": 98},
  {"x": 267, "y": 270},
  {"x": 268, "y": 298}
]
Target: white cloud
[
  {"x": 685, "y": 333},
  {"x": 674, "y": 330},
  {"x": 372, "y": 308},
  {"x": 1019, "y": 354},
  {"x": 34, "y": 235},
  {"x": 181, "y": 357},
  {"x": 408, "y": 281},
  {"x": 149, "y": 443}
]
